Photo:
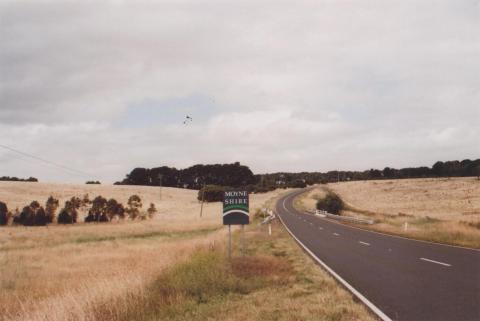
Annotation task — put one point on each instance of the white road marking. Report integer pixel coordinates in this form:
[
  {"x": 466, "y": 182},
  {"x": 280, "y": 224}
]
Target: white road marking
[
  {"x": 320, "y": 228},
  {"x": 355, "y": 292},
  {"x": 364, "y": 243},
  {"x": 436, "y": 262},
  {"x": 336, "y": 234}
]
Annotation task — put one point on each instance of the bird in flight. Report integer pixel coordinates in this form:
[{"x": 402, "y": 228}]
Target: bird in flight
[{"x": 187, "y": 119}]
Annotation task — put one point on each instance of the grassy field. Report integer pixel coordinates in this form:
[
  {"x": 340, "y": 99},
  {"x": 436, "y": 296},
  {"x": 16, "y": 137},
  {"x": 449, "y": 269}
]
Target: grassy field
[
  {"x": 173, "y": 267},
  {"x": 445, "y": 210}
]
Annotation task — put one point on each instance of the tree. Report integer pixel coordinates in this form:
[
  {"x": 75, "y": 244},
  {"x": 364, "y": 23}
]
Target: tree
[
  {"x": 114, "y": 208},
  {"x": 134, "y": 205},
  {"x": 4, "y": 214},
  {"x": 151, "y": 210},
  {"x": 211, "y": 193},
  {"x": 69, "y": 214},
  {"x": 332, "y": 203},
  {"x": 51, "y": 208},
  {"x": 98, "y": 212},
  {"x": 32, "y": 215}
]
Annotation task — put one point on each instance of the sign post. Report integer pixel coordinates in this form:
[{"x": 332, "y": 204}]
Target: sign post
[{"x": 235, "y": 212}]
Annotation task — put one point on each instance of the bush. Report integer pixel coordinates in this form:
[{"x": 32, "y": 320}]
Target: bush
[
  {"x": 69, "y": 214},
  {"x": 92, "y": 182},
  {"x": 298, "y": 183},
  {"x": 4, "y": 214},
  {"x": 51, "y": 208},
  {"x": 32, "y": 215},
  {"x": 211, "y": 193},
  {"x": 332, "y": 203},
  {"x": 152, "y": 210},
  {"x": 115, "y": 208},
  {"x": 134, "y": 206},
  {"x": 98, "y": 212}
]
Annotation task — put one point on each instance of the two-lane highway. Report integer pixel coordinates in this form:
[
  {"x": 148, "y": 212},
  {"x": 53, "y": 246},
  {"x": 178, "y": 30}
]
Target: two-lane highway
[{"x": 398, "y": 278}]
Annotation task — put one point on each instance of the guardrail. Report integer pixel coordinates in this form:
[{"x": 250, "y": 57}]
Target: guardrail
[{"x": 343, "y": 218}]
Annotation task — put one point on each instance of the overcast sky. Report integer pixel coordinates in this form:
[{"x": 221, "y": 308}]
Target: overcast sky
[{"x": 104, "y": 86}]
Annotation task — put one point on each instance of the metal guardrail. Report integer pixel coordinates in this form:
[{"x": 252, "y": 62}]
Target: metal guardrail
[{"x": 343, "y": 218}]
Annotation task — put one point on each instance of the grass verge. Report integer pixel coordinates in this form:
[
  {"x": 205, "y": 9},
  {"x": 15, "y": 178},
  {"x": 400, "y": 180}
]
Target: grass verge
[{"x": 272, "y": 280}]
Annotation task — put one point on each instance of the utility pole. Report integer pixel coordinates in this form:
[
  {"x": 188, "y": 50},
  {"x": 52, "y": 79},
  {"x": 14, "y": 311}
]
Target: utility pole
[
  {"x": 203, "y": 198},
  {"x": 160, "y": 177}
]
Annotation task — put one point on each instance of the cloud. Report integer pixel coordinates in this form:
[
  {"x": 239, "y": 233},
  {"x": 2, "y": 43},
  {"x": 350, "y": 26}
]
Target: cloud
[{"x": 311, "y": 86}]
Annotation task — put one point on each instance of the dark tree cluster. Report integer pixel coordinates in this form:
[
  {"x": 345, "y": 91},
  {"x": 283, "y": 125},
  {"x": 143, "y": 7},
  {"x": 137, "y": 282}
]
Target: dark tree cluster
[
  {"x": 93, "y": 183},
  {"x": 99, "y": 210},
  {"x": 16, "y": 179},
  {"x": 32, "y": 215},
  {"x": 234, "y": 175},
  {"x": 211, "y": 193},
  {"x": 463, "y": 168}
]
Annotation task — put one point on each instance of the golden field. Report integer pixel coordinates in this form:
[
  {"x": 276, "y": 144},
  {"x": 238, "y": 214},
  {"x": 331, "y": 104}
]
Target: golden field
[
  {"x": 142, "y": 270},
  {"x": 57, "y": 272},
  {"x": 444, "y": 210}
]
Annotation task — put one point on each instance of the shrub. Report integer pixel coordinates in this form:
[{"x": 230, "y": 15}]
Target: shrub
[
  {"x": 98, "y": 212},
  {"x": 298, "y": 183},
  {"x": 134, "y": 206},
  {"x": 114, "y": 208},
  {"x": 4, "y": 214},
  {"x": 332, "y": 203},
  {"x": 152, "y": 210},
  {"x": 69, "y": 214},
  {"x": 213, "y": 193},
  {"x": 93, "y": 182},
  {"x": 51, "y": 208},
  {"x": 32, "y": 215}
]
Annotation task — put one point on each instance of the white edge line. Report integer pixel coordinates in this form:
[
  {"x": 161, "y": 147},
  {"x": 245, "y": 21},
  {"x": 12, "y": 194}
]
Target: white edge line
[
  {"x": 336, "y": 234},
  {"x": 365, "y": 301},
  {"x": 385, "y": 234},
  {"x": 364, "y": 243},
  {"x": 436, "y": 262}
]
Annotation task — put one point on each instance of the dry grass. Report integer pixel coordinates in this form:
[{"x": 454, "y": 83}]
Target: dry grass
[
  {"x": 69, "y": 272},
  {"x": 275, "y": 280},
  {"x": 440, "y": 210}
]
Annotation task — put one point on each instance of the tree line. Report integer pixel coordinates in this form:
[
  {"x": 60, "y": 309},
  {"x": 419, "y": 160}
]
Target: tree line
[
  {"x": 240, "y": 176},
  {"x": 16, "y": 179},
  {"x": 98, "y": 210}
]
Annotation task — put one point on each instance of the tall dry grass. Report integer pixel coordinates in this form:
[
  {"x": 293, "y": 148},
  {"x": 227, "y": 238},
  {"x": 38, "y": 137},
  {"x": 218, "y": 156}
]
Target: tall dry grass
[
  {"x": 439, "y": 210},
  {"x": 70, "y": 272}
]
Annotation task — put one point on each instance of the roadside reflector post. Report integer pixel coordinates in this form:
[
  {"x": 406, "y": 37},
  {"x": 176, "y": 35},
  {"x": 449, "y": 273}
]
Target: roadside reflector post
[
  {"x": 405, "y": 226},
  {"x": 236, "y": 212},
  {"x": 270, "y": 229}
]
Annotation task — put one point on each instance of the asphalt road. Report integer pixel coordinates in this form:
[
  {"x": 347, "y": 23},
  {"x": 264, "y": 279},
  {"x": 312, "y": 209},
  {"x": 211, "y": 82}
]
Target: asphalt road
[{"x": 406, "y": 280}]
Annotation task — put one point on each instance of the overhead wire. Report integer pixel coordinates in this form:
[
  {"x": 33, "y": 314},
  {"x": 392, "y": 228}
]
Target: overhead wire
[{"x": 45, "y": 161}]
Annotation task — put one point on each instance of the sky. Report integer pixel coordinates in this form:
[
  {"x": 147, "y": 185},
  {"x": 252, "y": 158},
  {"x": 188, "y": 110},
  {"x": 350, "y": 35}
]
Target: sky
[{"x": 104, "y": 86}]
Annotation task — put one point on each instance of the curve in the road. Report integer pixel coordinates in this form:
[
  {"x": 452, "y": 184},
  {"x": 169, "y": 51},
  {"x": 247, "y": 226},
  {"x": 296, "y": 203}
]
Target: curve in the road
[{"x": 397, "y": 278}]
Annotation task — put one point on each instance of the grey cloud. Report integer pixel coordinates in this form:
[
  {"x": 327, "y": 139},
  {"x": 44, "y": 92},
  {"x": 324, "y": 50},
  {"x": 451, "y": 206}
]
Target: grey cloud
[{"x": 361, "y": 84}]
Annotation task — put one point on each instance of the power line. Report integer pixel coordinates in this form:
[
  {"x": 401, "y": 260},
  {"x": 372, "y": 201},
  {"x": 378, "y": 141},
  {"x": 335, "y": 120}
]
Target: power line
[{"x": 70, "y": 169}]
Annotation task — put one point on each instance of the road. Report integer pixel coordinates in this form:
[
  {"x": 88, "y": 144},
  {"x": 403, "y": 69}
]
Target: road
[{"x": 399, "y": 279}]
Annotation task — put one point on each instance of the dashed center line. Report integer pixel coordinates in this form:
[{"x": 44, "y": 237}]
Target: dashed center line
[
  {"x": 436, "y": 262},
  {"x": 364, "y": 243},
  {"x": 320, "y": 228},
  {"x": 336, "y": 234}
]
